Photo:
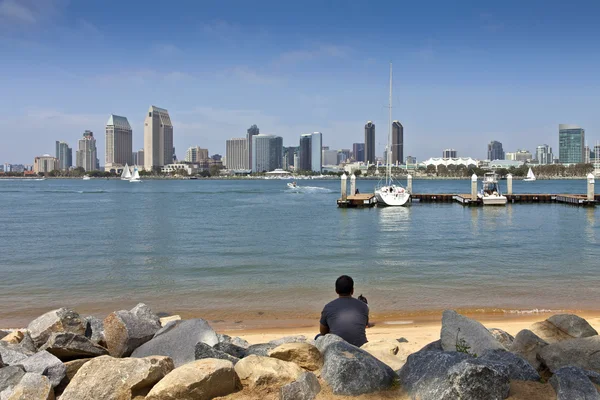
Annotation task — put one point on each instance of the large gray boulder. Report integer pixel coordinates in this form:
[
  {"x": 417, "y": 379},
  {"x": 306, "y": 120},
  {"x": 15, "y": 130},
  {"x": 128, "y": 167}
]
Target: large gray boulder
[
  {"x": 231, "y": 349},
  {"x": 46, "y": 364},
  {"x": 325, "y": 341},
  {"x": 505, "y": 338},
  {"x": 424, "y": 375},
  {"x": 571, "y": 383},
  {"x": 94, "y": 330},
  {"x": 69, "y": 346},
  {"x": 583, "y": 353},
  {"x": 528, "y": 345},
  {"x": 475, "y": 379},
  {"x": 572, "y": 325},
  {"x": 204, "y": 351},
  {"x": 13, "y": 353},
  {"x": 351, "y": 371},
  {"x": 260, "y": 349},
  {"x": 9, "y": 379},
  {"x": 518, "y": 368},
  {"x": 125, "y": 331},
  {"x": 32, "y": 387},
  {"x": 306, "y": 387},
  {"x": 237, "y": 341},
  {"x": 27, "y": 343},
  {"x": 470, "y": 335},
  {"x": 178, "y": 340},
  {"x": 60, "y": 320}
]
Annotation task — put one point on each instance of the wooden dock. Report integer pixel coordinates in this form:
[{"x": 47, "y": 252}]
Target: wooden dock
[{"x": 358, "y": 201}]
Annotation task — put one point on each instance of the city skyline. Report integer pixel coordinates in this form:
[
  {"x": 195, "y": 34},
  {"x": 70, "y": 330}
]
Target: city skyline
[{"x": 457, "y": 64}]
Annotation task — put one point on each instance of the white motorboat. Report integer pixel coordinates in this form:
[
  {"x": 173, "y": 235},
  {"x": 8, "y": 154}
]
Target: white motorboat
[
  {"x": 126, "y": 175},
  {"x": 490, "y": 194},
  {"x": 136, "y": 176},
  {"x": 530, "y": 176},
  {"x": 389, "y": 193},
  {"x": 86, "y": 178},
  {"x": 292, "y": 185}
]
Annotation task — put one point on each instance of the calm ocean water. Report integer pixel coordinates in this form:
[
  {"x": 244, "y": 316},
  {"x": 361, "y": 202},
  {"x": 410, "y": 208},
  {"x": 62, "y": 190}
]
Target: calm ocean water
[{"x": 235, "y": 248}]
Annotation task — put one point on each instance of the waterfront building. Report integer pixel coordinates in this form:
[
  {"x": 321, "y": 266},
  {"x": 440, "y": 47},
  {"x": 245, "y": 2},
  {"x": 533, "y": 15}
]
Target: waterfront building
[
  {"x": 358, "y": 151},
  {"x": 449, "y": 153},
  {"x": 267, "y": 152},
  {"x": 342, "y": 157},
  {"x": 44, "y": 164},
  {"x": 289, "y": 154},
  {"x": 64, "y": 155},
  {"x": 119, "y": 143},
  {"x": 370, "y": 143},
  {"x": 188, "y": 168},
  {"x": 437, "y": 161},
  {"x": 7, "y": 167},
  {"x": 495, "y": 151},
  {"x": 236, "y": 153},
  {"x": 195, "y": 154},
  {"x": 397, "y": 143},
  {"x": 304, "y": 152},
  {"x": 499, "y": 164},
  {"x": 586, "y": 154},
  {"x": 134, "y": 158},
  {"x": 158, "y": 139},
  {"x": 316, "y": 160},
  {"x": 330, "y": 157},
  {"x": 519, "y": 155},
  {"x": 86, "y": 155},
  {"x": 410, "y": 160},
  {"x": 543, "y": 154},
  {"x": 140, "y": 157},
  {"x": 571, "y": 143},
  {"x": 296, "y": 162},
  {"x": 252, "y": 131}
]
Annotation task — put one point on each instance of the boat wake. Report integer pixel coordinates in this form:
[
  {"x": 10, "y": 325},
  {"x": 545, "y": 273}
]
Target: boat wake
[{"x": 309, "y": 189}]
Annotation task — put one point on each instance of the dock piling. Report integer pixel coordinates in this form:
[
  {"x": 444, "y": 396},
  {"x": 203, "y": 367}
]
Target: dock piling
[
  {"x": 409, "y": 183},
  {"x": 352, "y": 185},
  {"x": 509, "y": 184},
  {"x": 590, "y": 187},
  {"x": 474, "y": 187},
  {"x": 344, "y": 187}
]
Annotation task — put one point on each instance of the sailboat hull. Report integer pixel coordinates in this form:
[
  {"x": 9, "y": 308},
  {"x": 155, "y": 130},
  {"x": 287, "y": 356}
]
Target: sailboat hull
[
  {"x": 391, "y": 196},
  {"x": 529, "y": 180}
]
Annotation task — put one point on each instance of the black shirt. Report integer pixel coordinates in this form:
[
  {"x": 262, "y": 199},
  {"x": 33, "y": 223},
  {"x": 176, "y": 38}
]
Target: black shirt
[{"x": 347, "y": 317}]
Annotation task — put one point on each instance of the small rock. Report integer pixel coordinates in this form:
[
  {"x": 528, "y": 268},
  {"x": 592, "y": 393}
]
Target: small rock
[
  {"x": 94, "y": 330},
  {"x": 478, "y": 379},
  {"x": 46, "y": 364},
  {"x": 256, "y": 371},
  {"x": 306, "y": 387},
  {"x": 125, "y": 331},
  {"x": 505, "y": 338},
  {"x": 13, "y": 353},
  {"x": 33, "y": 387},
  {"x": 351, "y": 371},
  {"x": 60, "y": 320},
  {"x": 231, "y": 349},
  {"x": 528, "y": 345},
  {"x": 458, "y": 329},
  {"x": 325, "y": 341},
  {"x": 69, "y": 346},
  {"x": 388, "y": 351},
  {"x": 14, "y": 337},
  {"x": 518, "y": 368},
  {"x": 402, "y": 340},
  {"x": 233, "y": 340},
  {"x": 111, "y": 378},
  {"x": 303, "y": 354},
  {"x": 198, "y": 380},
  {"x": 572, "y": 325},
  {"x": 165, "y": 320},
  {"x": 571, "y": 383},
  {"x": 9, "y": 379},
  {"x": 203, "y": 351},
  {"x": 582, "y": 352},
  {"x": 289, "y": 339},
  {"x": 260, "y": 349},
  {"x": 178, "y": 340}
]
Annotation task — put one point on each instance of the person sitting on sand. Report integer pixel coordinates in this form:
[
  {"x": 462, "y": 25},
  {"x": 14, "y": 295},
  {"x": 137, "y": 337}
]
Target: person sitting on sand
[{"x": 346, "y": 316}]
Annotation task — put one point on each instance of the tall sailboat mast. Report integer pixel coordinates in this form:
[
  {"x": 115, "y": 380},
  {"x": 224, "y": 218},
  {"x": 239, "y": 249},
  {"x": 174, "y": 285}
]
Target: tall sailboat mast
[{"x": 388, "y": 177}]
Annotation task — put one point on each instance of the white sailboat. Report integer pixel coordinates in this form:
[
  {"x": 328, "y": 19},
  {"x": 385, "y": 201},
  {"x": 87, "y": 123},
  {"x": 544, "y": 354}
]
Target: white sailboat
[
  {"x": 390, "y": 193},
  {"x": 136, "y": 176},
  {"x": 126, "y": 175},
  {"x": 530, "y": 176}
]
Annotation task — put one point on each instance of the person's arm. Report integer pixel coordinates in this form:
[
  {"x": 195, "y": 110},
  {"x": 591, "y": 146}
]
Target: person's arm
[
  {"x": 324, "y": 329},
  {"x": 323, "y": 326}
]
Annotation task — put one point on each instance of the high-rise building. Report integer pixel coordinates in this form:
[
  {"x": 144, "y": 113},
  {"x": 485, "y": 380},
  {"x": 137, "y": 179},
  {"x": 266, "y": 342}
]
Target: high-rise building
[
  {"x": 495, "y": 151},
  {"x": 304, "y": 153},
  {"x": 410, "y": 160},
  {"x": 236, "y": 153},
  {"x": 253, "y": 130},
  {"x": 86, "y": 155},
  {"x": 543, "y": 154},
  {"x": 64, "y": 154},
  {"x": 45, "y": 163},
  {"x": 586, "y": 154},
  {"x": 134, "y": 158},
  {"x": 267, "y": 152},
  {"x": 140, "y": 157},
  {"x": 330, "y": 157},
  {"x": 571, "y": 143},
  {"x": 195, "y": 154},
  {"x": 316, "y": 157},
  {"x": 288, "y": 155},
  {"x": 119, "y": 143},
  {"x": 358, "y": 151},
  {"x": 519, "y": 155},
  {"x": 449, "y": 153},
  {"x": 158, "y": 139},
  {"x": 370, "y": 142},
  {"x": 397, "y": 143}
]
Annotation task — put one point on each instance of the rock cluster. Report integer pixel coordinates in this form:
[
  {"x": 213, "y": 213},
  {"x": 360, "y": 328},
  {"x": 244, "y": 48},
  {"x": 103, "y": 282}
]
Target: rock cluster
[{"x": 132, "y": 355}]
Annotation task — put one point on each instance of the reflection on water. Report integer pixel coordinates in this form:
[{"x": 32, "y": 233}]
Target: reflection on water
[{"x": 394, "y": 219}]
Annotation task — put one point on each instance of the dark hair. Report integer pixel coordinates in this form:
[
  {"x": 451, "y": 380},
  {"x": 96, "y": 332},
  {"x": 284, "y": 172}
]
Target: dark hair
[{"x": 344, "y": 285}]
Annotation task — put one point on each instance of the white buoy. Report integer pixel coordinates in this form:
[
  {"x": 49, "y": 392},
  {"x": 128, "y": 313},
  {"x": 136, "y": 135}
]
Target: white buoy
[
  {"x": 474, "y": 187},
  {"x": 509, "y": 184},
  {"x": 590, "y": 187},
  {"x": 344, "y": 181},
  {"x": 409, "y": 183},
  {"x": 352, "y": 185}
]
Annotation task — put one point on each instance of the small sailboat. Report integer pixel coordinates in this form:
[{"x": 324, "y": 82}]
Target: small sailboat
[
  {"x": 126, "y": 175},
  {"x": 136, "y": 176},
  {"x": 530, "y": 176}
]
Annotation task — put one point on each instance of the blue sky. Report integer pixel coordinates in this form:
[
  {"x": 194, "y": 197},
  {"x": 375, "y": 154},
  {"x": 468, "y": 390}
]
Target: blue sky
[{"x": 465, "y": 72}]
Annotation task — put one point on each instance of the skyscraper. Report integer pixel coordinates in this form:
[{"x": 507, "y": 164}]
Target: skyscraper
[
  {"x": 370, "y": 142},
  {"x": 236, "y": 153},
  {"x": 358, "y": 150},
  {"x": 158, "y": 139},
  {"x": 397, "y": 143},
  {"x": 267, "y": 152},
  {"x": 495, "y": 151},
  {"x": 288, "y": 154},
  {"x": 543, "y": 154},
  {"x": 195, "y": 154},
  {"x": 119, "y": 143},
  {"x": 586, "y": 154},
  {"x": 140, "y": 157},
  {"x": 449, "y": 153},
  {"x": 571, "y": 144},
  {"x": 330, "y": 157},
  {"x": 86, "y": 155},
  {"x": 64, "y": 155},
  {"x": 253, "y": 130},
  {"x": 316, "y": 157},
  {"x": 304, "y": 153}
]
